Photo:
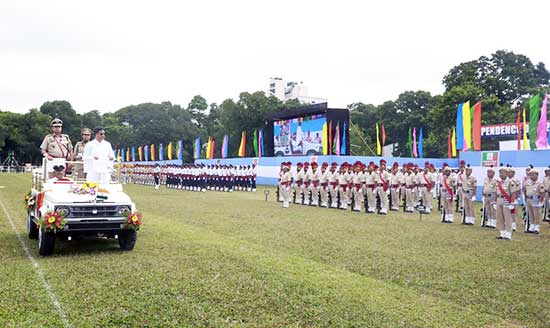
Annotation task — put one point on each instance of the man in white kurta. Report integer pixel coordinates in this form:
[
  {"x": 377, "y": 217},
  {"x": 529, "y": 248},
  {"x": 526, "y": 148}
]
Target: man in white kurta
[{"x": 98, "y": 158}]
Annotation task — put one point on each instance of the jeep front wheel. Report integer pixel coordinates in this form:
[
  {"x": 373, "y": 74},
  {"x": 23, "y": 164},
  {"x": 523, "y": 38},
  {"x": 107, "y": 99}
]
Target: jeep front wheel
[
  {"x": 127, "y": 239},
  {"x": 46, "y": 242}
]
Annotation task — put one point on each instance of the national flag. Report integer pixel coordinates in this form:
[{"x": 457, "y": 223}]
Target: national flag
[
  {"x": 467, "y": 124},
  {"x": 542, "y": 140},
  {"x": 534, "y": 116},
  {"x": 242, "y": 146},
  {"x": 476, "y": 129},
  {"x": 255, "y": 142},
  {"x": 169, "y": 151},
  {"x": 415, "y": 152},
  {"x": 325, "y": 138},
  {"x": 518, "y": 126},
  {"x": 161, "y": 152},
  {"x": 459, "y": 129},
  {"x": 225, "y": 146},
  {"x": 453, "y": 142},
  {"x": 420, "y": 151},
  {"x": 410, "y": 142},
  {"x": 383, "y": 135},
  {"x": 336, "y": 140},
  {"x": 525, "y": 141},
  {"x": 378, "y": 147},
  {"x": 261, "y": 143},
  {"x": 153, "y": 152},
  {"x": 449, "y": 147},
  {"x": 133, "y": 153},
  {"x": 343, "y": 143}
]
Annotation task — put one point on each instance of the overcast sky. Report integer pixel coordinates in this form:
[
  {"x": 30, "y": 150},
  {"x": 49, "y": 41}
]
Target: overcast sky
[{"x": 105, "y": 55}]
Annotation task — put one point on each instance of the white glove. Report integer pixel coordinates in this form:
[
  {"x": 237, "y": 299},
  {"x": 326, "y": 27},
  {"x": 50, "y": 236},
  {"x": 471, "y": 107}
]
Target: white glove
[
  {"x": 473, "y": 198},
  {"x": 510, "y": 207}
]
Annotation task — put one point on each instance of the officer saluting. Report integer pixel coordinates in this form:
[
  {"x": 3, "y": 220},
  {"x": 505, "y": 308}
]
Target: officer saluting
[{"x": 56, "y": 144}]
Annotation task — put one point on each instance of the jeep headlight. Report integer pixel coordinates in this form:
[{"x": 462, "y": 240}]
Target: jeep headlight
[
  {"x": 124, "y": 209},
  {"x": 63, "y": 210}
]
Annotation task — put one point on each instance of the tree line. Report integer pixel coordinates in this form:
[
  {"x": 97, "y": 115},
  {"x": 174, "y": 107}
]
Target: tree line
[{"x": 503, "y": 82}]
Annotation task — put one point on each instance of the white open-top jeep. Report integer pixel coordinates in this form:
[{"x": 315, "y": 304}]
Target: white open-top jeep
[{"x": 87, "y": 209}]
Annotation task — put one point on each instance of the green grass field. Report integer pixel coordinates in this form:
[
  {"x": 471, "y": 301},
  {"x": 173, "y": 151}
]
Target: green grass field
[{"x": 233, "y": 260}]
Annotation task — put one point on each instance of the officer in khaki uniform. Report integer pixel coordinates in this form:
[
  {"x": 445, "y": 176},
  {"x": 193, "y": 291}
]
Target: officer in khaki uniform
[
  {"x": 286, "y": 180},
  {"x": 357, "y": 187},
  {"x": 395, "y": 183},
  {"x": 314, "y": 187},
  {"x": 516, "y": 210},
  {"x": 333, "y": 178},
  {"x": 448, "y": 184},
  {"x": 546, "y": 184},
  {"x": 489, "y": 199},
  {"x": 534, "y": 197},
  {"x": 298, "y": 183},
  {"x": 426, "y": 183},
  {"x": 469, "y": 185},
  {"x": 56, "y": 144},
  {"x": 410, "y": 185},
  {"x": 78, "y": 170},
  {"x": 343, "y": 186},
  {"x": 383, "y": 187},
  {"x": 371, "y": 183},
  {"x": 323, "y": 181},
  {"x": 507, "y": 193}
]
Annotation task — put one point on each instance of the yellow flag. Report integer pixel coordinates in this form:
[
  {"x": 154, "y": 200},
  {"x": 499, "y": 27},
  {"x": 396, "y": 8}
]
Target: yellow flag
[
  {"x": 453, "y": 142},
  {"x": 170, "y": 150},
  {"x": 325, "y": 137},
  {"x": 467, "y": 124},
  {"x": 378, "y": 148},
  {"x": 525, "y": 141}
]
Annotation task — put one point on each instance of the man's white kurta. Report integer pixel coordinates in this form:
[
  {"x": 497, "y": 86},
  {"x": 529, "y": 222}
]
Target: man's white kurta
[{"x": 98, "y": 170}]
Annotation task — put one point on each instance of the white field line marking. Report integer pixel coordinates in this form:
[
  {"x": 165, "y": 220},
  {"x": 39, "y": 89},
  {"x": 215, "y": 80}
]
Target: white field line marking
[{"x": 39, "y": 271}]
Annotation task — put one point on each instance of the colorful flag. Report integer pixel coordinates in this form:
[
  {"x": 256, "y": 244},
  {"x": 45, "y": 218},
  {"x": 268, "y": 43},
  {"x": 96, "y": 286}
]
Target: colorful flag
[
  {"x": 343, "y": 143},
  {"x": 133, "y": 153},
  {"x": 255, "y": 142},
  {"x": 378, "y": 147},
  {"x": 212, "y": 147},
  {"x": 127, "y": 154},
  {"x": 518, "y": 126},
  {"x": 476, "y": 129},
  {"x": 325, "y": 138},
  {"x": 542, "y": 140},
  {"x": 161, "y": 152},
  {"x": 169, "y": 151},
  {"x": 197, "y": 148},
  {"x": 420, "y": 151},
  {"x": 208, "y": 145},
  {"x": 467, "y": 124},
  {"x": 225, "y": 146},
  {"x": 153, "y": 152},
  {"x": 453, "y": 142},
  {"x": 122, "y": 154},
  {"x": 242, "y": 146},
  {"x": 383, "y": 135},
  {"x": 329, "y": 136},
  {"x": 534, "y": 116},
  {"x": 261, "y": 144},
  {"x": 146, "y": 151},
  {"x": 180, "y": 150},
  {"x": 140, "y": 153},
  {"x": 410, "y": 142},
  {"x": 415, "y": 152},
  {"x": 336, "y": 141},
  {"x": 525, "y": 141},
  {"x": 459, "y": 129},
  {"x": 449, "y": 147}
]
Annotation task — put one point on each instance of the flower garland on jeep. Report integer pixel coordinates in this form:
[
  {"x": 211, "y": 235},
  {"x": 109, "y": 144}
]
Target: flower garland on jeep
[
  {"x": 133, "y": 220},
  {"x": 52, "y": 222},
  {"x": 88, "y": 188},
  {"x": 30, "y": 201}
]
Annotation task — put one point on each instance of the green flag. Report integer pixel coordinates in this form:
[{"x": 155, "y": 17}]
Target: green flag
[
  {"x": 534, "y": 116},
  {"x": 255, "y": 142},
  {"x": 410, "y": 142}
]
